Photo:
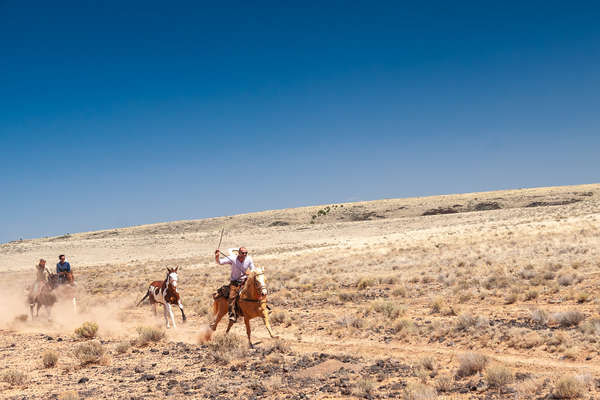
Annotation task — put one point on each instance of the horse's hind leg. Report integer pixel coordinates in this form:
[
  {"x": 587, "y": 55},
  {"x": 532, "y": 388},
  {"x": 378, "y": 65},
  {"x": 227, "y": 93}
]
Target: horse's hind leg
[
  {"x": 229, "y": 325},
  {"x": 247, "y": 323}
]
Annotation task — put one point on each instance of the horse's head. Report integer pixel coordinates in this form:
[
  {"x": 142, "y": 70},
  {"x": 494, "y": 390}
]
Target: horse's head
[
  {"x": 172, "y": 276},
  {"x": 260, "y": 283}
]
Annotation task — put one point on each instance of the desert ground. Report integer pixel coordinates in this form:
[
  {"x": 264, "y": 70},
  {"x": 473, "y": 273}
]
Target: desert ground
[{"x": 471, "y": 296}]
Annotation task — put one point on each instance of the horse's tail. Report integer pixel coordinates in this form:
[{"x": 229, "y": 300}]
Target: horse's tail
[{"x": 144, "y": 298}]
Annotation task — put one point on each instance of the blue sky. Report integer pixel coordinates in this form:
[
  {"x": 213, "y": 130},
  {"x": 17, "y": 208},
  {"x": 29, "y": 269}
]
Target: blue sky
[{"x": 123, "y": 113}]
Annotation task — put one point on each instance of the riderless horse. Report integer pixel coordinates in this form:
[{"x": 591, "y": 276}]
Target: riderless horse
[
  {"x": 42, "y": 295},
  {"x": 166, "y": 293},
  {"x": 251, "y": 302}
]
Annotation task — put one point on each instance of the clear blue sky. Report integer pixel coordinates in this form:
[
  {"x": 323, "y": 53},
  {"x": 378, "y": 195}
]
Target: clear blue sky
[{"x": 123, "y": 113}]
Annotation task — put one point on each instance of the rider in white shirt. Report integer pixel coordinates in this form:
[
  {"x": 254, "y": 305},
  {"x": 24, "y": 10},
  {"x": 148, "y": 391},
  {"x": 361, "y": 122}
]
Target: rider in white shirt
[{"x": 240, "y": 265}]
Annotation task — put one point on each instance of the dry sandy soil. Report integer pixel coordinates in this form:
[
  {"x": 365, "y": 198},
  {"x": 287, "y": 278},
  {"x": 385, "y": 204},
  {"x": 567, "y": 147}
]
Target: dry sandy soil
[{"x": 484, "y": 295}]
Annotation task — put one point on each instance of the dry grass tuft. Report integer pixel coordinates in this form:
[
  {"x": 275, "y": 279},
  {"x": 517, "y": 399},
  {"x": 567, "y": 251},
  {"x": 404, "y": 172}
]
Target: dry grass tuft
[
  {"x": 122, "y": 347},
  {"x": 568, "y": 318},
  {"x": 467, "y": 321},
  {"x": 89, "y": 352},
  {"x": 418, "y": 391},
  {"x": 364, "y": 387},
  {"x": 147, "y": 334},
  {"x": 470, "y": 364},
  {"x": 498, "y": 376},
  {"x": 570, "y": 387},
  {"x": 14, "y": 377},
  {"x": 49, "y": 359},
  {"x": 280, "y": 317},
  {"x": 539, "y": 316},
  {"x": 391, "y": 310},
  {"x": 226, "y": 348},
  {"x": 444, "y": 383}
]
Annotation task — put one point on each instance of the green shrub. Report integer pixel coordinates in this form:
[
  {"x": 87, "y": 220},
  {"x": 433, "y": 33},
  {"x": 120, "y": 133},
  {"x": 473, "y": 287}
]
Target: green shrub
[{"x": 88, "y": 330}]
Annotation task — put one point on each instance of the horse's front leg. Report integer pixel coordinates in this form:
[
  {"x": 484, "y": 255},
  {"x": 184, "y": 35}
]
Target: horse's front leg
[
  {"x": 182, "y": 313},
  {"x": 265, "y": 316},
  {"x": 166, "y": 314},
  {"x": 168, "y": 306},
  {"x": 247, "y": 323},
  {"x": 74, "y": 305},
  {"x": 229, "y": 325},
  {"x": 31, "y": 306}
]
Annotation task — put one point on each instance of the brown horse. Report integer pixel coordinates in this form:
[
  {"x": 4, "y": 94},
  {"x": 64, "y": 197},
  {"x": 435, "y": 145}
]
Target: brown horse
[
  {"x": 252, "y": 302},
  {"x": 42, "y": 295},
  {"x": 165, "y": 293}
]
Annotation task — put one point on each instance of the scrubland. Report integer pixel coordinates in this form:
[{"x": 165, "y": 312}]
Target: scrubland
[{"x": 484, "y": 295}]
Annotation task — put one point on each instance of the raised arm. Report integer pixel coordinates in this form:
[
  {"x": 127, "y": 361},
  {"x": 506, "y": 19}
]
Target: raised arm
[{"x": 221, "y": 261}]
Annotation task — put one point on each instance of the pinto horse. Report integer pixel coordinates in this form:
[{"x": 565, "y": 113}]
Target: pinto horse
[
  {"x": 252, "y": 302},
  {"x": 41, "y": 295},
  {"x": 166, "y": 293}
]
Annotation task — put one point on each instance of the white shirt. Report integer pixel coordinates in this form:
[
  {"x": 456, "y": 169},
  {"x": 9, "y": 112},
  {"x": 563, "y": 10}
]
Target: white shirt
[{"x": 238, "y": 268}]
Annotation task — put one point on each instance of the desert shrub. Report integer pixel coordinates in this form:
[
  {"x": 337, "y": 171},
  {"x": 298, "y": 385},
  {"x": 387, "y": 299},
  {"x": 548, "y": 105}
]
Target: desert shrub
[
  {"x": 467, "y": 321},
  {"x": 348, "y": 321},
  {"x": 498, "y": 280},
  {"x": 14, "y": 377},
  {"x": 364, "y": 387},
  {"x": 348, "y": 296},
  {"x": 522, "y": 338},
  {"x": 464, "y": 297},
  {"x": 88, "y": 330},
  {"x": 531, "y": 294},
  {"x": 498, "y": 376},
  {"x": 365, "y": 282},
  {"x": 591, "y": 327},
  {"x": 400, "y": 291},
  {"x": 539, "y": 316},
  {"x": 278, "y": 346},
  {"x": 389, "y": 309},
  {"x": 548, "y": 275},
  {"x": 436, "y": 305},
  {"x": 404, "y": 326},
  {"x": 418, "y": 391},
  {"x": 444, "y": 383},
  {"x": 49, "y": 359},
  {"x": 557, "y": 339},
  {"x": 147, "y": 334},
  {"x": 470, "y": 364},
  {"x": 569, "y": 387},
  {"x": 583, "y": 297},
  {"x": 565, "y": 279},
  {"x": 122, "y": 347},
  {"x": 568, "y": 318},
  {"x": 527, "y": 273},
  {"x": 427, "y": 363},
  {"x": 280, "y": 317},
  {"x": 89, "y": 352},
  {"x": 226, "y": 348}
]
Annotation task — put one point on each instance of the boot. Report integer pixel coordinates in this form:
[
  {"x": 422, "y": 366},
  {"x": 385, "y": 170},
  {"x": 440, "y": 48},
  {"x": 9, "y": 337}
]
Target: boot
[{"x": 232, "y": 313}]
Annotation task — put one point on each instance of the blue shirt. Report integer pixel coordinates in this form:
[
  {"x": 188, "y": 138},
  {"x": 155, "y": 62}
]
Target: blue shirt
[{"x": 66, "y": 267}]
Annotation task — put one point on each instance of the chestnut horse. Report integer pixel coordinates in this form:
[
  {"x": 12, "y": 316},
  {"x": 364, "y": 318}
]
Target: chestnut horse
[
  {"x": 166, "y": 293},
  {"x": 252, "y": 302},
  {"x": 41, "y": 295}
]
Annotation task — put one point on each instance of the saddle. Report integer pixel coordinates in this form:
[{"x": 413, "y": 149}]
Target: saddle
[{"x": 223, "y": 291}]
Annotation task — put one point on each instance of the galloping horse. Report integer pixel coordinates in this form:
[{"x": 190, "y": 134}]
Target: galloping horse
[
  {"x": 252, "y": 302},
  {"x": 166, "y": 293},
  {"x": 43, "y": 296}
]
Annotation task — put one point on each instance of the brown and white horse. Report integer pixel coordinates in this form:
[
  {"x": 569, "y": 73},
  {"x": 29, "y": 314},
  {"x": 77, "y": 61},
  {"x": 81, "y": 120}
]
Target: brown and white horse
[
  {"x": 252, "y": 303},
  {"x": 166, "y": 293}
]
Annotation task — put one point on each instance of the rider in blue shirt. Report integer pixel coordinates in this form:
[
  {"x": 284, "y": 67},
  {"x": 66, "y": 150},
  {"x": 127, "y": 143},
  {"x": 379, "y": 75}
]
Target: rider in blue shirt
[{"x": 62, "y": 268}]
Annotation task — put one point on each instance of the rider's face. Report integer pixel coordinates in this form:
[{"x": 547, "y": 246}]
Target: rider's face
[{"x": 62, "y": 259}]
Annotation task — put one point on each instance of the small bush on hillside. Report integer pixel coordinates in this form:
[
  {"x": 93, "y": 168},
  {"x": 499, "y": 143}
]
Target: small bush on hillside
[
  {"x": 444, "y": 383},
  {"x": 569, "y": 387},
  {"x": 466, "y": 321},
  {"x": 365, "y": 282},
  {"x": 568, "y": 318},
  {"x": 498, "y": 376},
  {"x": 69, "y": 395},
  {"x": 364, "y": 387},
  {"x": 280, "y": 317},
  {"x": 418, "y": 391},
  {"x": 389, "y": 309},
  {"x": 49, "y": 359},
  {"x": 88, "y": 330},
  {"x": 470, "y": 364},
  {"x": 122, "y": 347},
  {"x": 539, "y": 316},
  {"x": 147, "y": 334},
  {"x": 226, "y": 348},
  {"x": 14, "y": 377},
  {"x": 89, "y": 352}
]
